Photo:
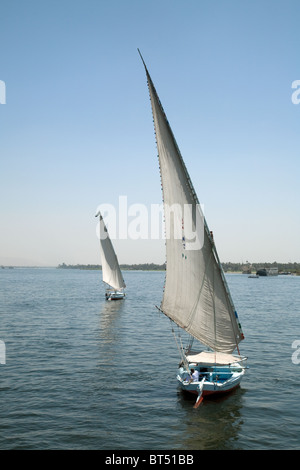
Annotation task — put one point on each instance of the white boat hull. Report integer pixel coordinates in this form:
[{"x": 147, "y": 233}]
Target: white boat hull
[
  {"x": 215, "y": 379},
  {"x": 213, "y": 387},
  {"x": 114, "y": 295}
]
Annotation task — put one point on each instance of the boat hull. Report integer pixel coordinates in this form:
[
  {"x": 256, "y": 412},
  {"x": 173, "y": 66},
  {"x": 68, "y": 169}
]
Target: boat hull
[
  {"x": 221, "y": 380},
  {"x": 114, "y": 295},
  {"x": 213, "y": 388}
]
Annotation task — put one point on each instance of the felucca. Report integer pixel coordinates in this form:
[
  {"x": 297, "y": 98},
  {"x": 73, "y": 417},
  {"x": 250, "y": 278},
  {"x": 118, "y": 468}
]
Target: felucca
[
  {"x": 111, "y": 272},
  {"x": 196, "y": 296}
]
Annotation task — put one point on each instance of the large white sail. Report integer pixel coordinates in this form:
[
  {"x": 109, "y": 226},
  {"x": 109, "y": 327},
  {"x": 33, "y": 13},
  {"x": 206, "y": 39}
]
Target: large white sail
[
  {"x": 196, "y": 296},
  {"x": 111, "y": 273}
]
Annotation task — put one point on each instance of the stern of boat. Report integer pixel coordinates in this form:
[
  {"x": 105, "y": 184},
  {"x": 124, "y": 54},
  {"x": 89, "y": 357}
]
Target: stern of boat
[{"x": 213, "y": 380}]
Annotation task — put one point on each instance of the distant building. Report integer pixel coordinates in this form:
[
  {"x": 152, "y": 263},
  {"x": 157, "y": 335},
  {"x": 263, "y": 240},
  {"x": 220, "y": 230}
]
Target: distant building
[
  {"x": 267, "y": 272},
  {"x": 247, "y": 269}
]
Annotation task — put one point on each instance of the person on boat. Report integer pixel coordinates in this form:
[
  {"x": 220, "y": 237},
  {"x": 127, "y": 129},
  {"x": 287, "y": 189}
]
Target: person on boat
[{"x": 195, "y": 375}]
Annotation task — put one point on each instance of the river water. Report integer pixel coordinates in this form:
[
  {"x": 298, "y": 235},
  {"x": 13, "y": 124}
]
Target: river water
[{"x": 83, "y": 373}]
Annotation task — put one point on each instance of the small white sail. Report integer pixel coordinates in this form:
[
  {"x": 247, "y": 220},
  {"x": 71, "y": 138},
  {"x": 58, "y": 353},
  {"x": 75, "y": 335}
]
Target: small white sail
[
  {"x": 196, "y": 295},
  {"x": 111, "y": 272}
]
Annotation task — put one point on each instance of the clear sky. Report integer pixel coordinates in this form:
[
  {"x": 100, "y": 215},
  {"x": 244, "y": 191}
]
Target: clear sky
[{"x": 76, "y": 127}]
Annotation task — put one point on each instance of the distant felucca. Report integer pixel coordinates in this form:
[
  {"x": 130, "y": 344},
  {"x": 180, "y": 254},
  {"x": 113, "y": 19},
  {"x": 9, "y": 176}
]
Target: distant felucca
[{"x": 111, "y": 272}]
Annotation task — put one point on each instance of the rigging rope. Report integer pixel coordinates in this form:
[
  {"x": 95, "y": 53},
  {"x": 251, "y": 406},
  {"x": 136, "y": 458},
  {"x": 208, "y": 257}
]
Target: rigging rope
[{"x": 180, "y": 349}]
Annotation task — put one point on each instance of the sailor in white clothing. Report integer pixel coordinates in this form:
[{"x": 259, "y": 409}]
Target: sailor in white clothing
[{"x": 195, "y": 375}]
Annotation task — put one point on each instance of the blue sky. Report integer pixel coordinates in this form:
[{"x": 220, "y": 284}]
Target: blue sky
[{"x": 76, "y": 130}]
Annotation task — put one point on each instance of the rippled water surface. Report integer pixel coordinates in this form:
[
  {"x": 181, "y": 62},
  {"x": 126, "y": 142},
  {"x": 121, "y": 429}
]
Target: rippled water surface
[{"x": 82, "y": 373}]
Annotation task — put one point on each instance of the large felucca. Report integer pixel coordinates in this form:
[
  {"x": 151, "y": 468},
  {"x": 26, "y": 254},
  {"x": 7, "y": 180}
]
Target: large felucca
[
  {"x": 196, "y": 295},
  {"x": 111, "y": 272}
]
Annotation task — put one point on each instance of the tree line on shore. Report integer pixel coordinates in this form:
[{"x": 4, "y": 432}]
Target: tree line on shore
[
  {"x": 125, "y": 267},
  {"x": 293, "y": 268}
]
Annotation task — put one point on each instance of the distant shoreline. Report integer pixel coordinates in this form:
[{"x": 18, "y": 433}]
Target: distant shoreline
[
  {"x": 124, "y": 267},
  {"x": 228, "y": 267},
  {"x": 283, "y": 268}
]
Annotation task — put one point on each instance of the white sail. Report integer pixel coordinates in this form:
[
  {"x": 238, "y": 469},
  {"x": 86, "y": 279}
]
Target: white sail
[
  {"x": 196, "y": 296},
  {"x": 111, "y": 272}
]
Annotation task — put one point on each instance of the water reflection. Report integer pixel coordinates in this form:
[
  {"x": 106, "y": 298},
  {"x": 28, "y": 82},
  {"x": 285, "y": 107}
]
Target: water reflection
[
  {"x": 109, "y": 316},
  {"x": 216, "y": 424}
]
